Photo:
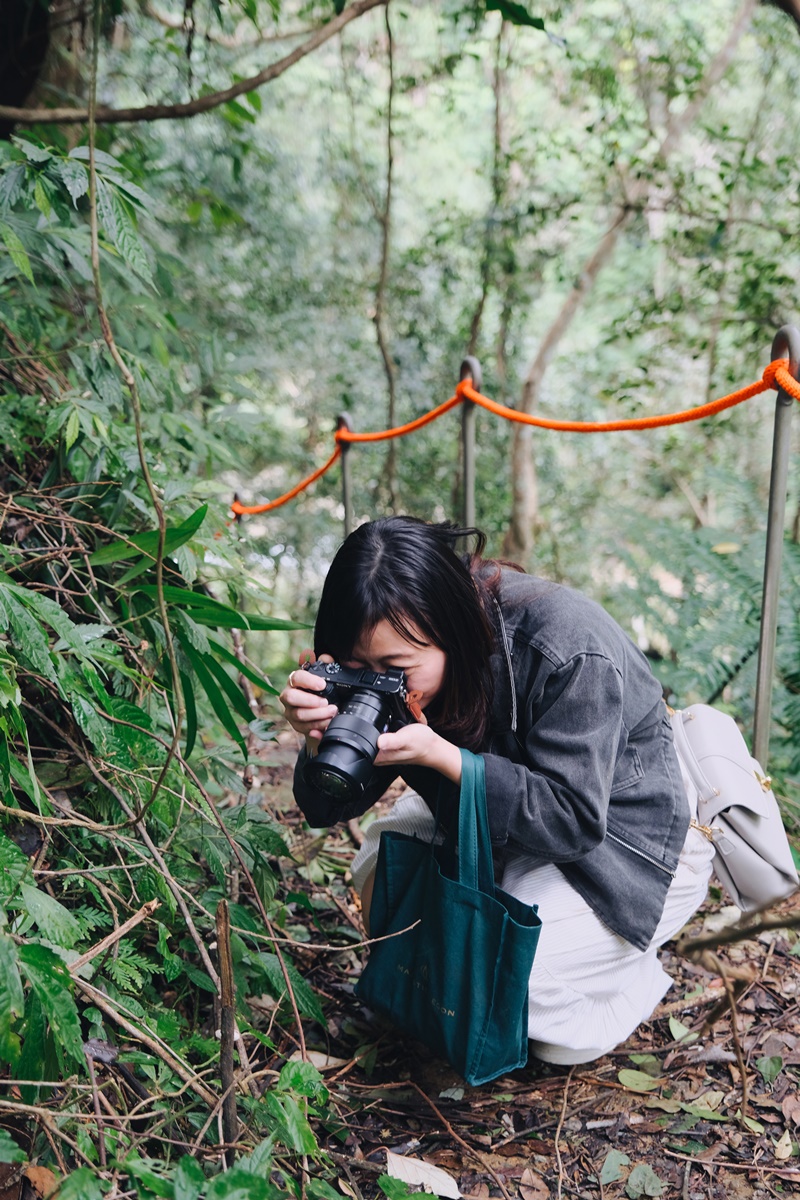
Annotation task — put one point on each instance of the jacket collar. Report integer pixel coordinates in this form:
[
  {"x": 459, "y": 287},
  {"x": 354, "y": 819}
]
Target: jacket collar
[{"x": 504, "y": 702}]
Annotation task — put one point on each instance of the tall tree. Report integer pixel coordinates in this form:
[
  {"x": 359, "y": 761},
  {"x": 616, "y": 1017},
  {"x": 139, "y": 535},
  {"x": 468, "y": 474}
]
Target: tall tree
[{"x": 519, "y": 538}]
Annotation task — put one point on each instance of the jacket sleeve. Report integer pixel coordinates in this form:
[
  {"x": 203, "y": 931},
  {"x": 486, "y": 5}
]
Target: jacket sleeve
[
  {"x": 321, "y": 810},
  {"x": 553, "y": 804}
]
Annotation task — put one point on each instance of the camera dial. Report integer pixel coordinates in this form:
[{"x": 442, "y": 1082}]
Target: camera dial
[{"x": 369, "y": 702}]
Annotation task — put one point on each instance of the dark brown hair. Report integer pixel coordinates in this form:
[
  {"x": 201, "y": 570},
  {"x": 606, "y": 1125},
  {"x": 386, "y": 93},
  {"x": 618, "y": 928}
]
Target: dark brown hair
[{"x": 409, "y": 572}]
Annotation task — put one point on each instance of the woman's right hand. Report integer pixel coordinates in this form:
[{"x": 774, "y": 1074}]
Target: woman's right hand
[{"x": 307, "y": 713}]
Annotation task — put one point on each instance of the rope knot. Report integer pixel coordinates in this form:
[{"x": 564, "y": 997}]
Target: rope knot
[
  {"x": 777, "y": 375},
  {"x": 770, "y": 371}
]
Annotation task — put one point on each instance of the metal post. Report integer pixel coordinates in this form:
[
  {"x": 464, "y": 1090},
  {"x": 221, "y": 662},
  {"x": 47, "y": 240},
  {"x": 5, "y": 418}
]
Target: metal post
[
  {"x": 785, "y": 345},
  {"x": 470, "y": 369},
  {"x": 344, "y": 422}
]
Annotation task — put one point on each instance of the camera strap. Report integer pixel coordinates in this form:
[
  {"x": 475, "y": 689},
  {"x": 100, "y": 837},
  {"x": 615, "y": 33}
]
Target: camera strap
[{"x": 412, "y": 704}]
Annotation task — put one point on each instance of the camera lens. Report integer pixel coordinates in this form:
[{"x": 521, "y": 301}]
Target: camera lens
[{"x": 342, "y": 766}]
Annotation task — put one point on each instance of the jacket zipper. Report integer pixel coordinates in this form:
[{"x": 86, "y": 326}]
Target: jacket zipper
[
  {"x": 509, "y": 666},
  {"x": 647, "y": 857}
]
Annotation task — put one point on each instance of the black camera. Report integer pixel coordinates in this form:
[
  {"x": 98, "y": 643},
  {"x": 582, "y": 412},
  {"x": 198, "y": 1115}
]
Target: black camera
[{"x": 369, "y": 702}]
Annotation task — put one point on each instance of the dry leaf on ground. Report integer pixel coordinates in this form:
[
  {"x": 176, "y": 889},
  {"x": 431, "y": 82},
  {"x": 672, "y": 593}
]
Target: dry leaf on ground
[
  {"x": 417, "y": 1173},
  {"x": 532, "y": 1186}
]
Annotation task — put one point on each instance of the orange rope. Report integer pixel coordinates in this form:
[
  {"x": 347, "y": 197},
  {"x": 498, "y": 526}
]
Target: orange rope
[
  {"x": 775, "y": 375},
  {"x": 347, "y": 435},
  {"x": 238, "y": 509}
]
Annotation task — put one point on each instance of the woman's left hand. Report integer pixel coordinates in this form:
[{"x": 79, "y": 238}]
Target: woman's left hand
[{"x": 418, "y": 744}]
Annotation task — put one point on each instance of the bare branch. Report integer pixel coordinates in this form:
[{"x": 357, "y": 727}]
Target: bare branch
[
  {"x": 385, "y": 219},
  {"x": 201, "y": 104},
  {"x": 221, "y": 39},
  {"x": 129, "y": 380},
  {"x": 144, "y": 912},
  {"x": 151, "y": 1041},
  {"x": 230, "y": 1122}
]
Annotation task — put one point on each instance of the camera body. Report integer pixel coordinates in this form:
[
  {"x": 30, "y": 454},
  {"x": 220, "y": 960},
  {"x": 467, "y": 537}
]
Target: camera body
[{"x": 369, "y": 702}]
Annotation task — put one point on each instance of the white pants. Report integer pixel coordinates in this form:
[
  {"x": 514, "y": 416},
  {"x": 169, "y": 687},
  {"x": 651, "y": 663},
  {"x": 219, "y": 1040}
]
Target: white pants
[{"x": 590, "y": 988}]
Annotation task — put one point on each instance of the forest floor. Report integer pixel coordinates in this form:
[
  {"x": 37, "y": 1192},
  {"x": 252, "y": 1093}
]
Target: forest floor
[{"x": 673, "y": 1128}]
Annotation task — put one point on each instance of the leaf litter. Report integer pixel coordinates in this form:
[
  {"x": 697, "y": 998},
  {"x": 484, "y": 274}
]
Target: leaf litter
[{"x": 661, "y": 1115}]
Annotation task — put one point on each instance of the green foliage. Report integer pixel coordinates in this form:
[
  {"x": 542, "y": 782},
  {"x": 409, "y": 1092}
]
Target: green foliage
[
  {"x": 10, "y": 1152},
  {"x": 394, "y": 1189},
  {"x": 240, "y": 255},
  {"x": 517, "y": 14},
  {"x": 101, "y": 811}
]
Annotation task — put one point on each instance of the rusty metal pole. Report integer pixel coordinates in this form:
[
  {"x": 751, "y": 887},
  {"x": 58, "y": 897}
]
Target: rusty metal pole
[
  {"x": 470, "y": 369},
  {"x": 785, "y": 345},
  {"x": 344, "y": 422}
]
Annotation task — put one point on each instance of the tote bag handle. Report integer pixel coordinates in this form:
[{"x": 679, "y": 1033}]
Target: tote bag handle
[{"x": 475, "y": 869}]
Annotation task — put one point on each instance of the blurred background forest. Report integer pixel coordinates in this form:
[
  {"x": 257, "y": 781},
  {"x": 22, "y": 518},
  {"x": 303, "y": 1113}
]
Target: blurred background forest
[{"x": 289, "y": 211}]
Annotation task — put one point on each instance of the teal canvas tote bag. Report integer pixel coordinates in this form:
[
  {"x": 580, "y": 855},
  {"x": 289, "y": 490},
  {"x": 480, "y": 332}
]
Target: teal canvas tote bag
[{"x": 456, "y": 973}]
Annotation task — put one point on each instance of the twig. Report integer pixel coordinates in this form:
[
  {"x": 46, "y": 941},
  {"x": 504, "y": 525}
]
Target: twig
[
  {"x": 385, "y": 220},
  {"x": 39, "y": 1110},
  {"x": 46, "y": 1116},
  {"x": 156, "y": 1045},
  {"x": 781, "y": 1172},
  {"x": 141, "y": 829},
  {"x": 234, "y": 42},
  {"x": 145, "y": 911},
  {"x": 212, "y": 1116},
  {"x": 230, "y": 1123},
  {"x": 56, "y": 1149},
  {"x": 38, "y": 818},
  {"x": 691, "y": 947},
  {"x": 558, "y": 1132},
  {"x": 737, "y": 1047},
  {"x": 101, "y": 1139},
  {"x": 687, "y": 1175},
  {"x": 133, "y": 391},
  {"x": 487, "y": 1166},
  {"x": 201, "y": 104}
]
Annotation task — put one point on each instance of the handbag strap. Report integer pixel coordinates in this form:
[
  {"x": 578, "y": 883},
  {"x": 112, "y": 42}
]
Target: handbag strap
[{"x": 475, "y": 867}]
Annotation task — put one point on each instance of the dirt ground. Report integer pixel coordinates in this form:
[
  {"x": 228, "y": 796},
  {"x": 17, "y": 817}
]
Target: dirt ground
[{"x": 662, "y": 1115}]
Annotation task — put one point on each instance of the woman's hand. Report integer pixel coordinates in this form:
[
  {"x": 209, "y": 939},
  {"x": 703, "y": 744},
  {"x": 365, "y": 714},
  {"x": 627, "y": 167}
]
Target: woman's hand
[
  {"x": 307, "y": 713},
  {"x": 418, "y": 744}
]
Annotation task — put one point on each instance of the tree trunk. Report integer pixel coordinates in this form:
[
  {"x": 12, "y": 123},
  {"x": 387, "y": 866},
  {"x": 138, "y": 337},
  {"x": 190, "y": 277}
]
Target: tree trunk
[
  {"x": 24, "y": 40},
  {"x": 490, "y": 244},
  {"x": 524, "y": 520},
  {"x": 385, "y": 221}
]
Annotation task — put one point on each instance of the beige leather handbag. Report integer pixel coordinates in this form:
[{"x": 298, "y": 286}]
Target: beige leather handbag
[{"x": 737, "y": 810}]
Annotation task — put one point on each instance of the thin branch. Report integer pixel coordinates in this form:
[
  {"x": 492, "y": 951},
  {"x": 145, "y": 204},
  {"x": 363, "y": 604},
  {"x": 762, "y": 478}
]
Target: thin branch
[
  {"x": 190, "y": 108},
  {"x": 130, "y": 383},
  {"x": 728, "y": 1165},
  {"x": 385, "y": 219},
  {"x": 227, "y": 1036},
  {"x": 173, "y": 886},
  {"x": 223, "y": 39},
  {"x": 498, "y": 188},
  {"x": 159, "y": 1048},
  {"x": 691, "y": 947},
  {"x": 558, "y": 1132},
  {"x": 101, "y": 1138},
  {"x": 737, "y": 1045},
  {"x": 144, "y": 912},
  {"x": 141, "y": 829},
  {"x": 485, "y": 1163}
]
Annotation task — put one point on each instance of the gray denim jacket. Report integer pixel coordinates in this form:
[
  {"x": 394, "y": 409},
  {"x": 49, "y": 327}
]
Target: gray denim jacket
[{"x": 580, "y": 766}]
